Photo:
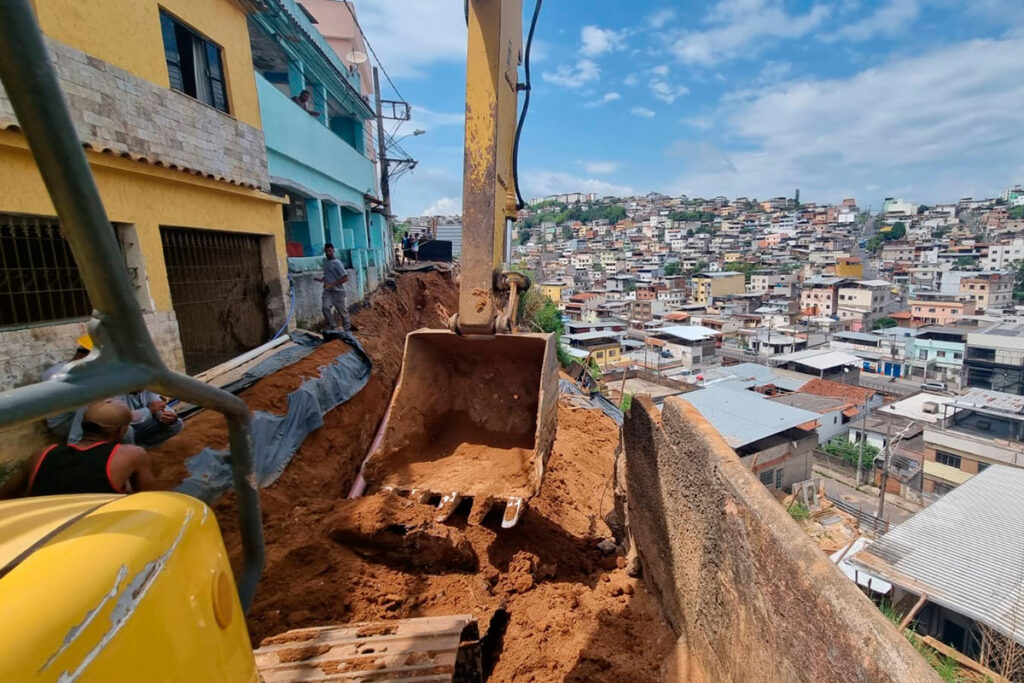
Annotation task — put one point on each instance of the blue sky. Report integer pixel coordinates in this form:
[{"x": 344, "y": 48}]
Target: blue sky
[{"x": 916, "y": 98}]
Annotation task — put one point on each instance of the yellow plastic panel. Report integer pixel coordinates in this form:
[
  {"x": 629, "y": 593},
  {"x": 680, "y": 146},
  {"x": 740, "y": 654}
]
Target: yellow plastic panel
[
  {"x": 26, "y": 520},
  {"x": 125, "y": 594}
]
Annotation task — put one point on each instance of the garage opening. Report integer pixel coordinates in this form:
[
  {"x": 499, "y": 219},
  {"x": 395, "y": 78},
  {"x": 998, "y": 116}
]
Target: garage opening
[{"x": 218, "y": 293}]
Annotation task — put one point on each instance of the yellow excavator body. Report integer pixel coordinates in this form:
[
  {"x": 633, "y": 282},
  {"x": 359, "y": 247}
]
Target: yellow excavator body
[{"x": 118, "y": 588}]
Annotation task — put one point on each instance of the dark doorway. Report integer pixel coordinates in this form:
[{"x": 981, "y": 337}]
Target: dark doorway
[{"x": 218, "y": 293}]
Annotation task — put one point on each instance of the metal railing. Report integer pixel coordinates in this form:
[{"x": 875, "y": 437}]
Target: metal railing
[
  {"x": 126, "y": 359},
  {"x": 866, "y": 519}
]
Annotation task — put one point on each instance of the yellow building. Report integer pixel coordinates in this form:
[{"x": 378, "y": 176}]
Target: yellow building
[
  {"x": 553, "y": 290},
  {"x": 850, "y": 267},
  {"x": 605, "y": 354},
  {"x": 707, "y": 286},
  {"x": 164, "y": 99}
]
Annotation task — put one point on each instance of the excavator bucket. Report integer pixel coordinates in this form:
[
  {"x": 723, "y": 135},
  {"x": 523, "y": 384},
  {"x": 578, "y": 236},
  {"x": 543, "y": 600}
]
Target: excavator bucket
[{"x": 471, "y": 417}]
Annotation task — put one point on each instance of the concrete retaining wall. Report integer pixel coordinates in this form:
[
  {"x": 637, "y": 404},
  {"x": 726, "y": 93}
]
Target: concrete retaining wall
[{"x": 751, "y": 596}]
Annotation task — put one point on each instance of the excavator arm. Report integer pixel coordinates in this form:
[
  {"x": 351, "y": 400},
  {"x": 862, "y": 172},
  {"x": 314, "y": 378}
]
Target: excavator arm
[
  {"x": 488, "y": 193},
  {"x": 473, "y": 414}
]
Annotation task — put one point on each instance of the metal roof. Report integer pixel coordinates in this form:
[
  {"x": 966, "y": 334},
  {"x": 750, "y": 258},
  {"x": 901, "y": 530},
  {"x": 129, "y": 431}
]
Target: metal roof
[
  {"x": 689, "y": 332},
  {"x": 819, "y": 359},
  {"x": 995, "y": 401},
  {"x": 743, "y": 417},
  {"x": 593, "y": 336},
  {"x": 964, "y": 551},
  {"x": 858, "y": 336},
  {"x": 812, "y": 402}
]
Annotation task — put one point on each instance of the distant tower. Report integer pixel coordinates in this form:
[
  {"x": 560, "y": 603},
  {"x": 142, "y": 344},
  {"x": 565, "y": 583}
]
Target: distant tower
[{"x": 797, "y": 197}]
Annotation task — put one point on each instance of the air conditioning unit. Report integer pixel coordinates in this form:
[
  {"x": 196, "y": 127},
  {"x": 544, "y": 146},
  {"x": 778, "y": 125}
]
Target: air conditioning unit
[{"x": 930, "y": 407}]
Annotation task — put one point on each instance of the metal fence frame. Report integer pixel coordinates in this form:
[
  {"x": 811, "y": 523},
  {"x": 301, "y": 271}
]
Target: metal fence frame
[{"x": 125, "y": 359}]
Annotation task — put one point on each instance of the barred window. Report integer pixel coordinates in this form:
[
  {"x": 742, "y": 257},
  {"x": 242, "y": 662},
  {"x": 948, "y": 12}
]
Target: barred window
[{"x": 39, "y": 279}]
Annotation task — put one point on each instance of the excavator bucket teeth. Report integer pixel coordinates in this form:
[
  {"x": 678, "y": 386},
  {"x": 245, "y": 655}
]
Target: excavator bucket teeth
[{"x": 471, "y": 417}]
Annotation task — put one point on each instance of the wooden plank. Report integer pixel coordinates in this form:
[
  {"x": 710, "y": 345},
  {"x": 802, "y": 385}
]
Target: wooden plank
[
  {"x": 415, "y": 625},
  {"x": 963, "y": 660},
  {"x": 272, "y": 662},
  {"x": 442, "y": 640},
  {"x": 423, "y": 649}
]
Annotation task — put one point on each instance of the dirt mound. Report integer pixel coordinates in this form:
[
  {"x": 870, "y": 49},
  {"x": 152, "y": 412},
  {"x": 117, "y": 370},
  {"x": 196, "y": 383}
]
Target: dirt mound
[
  {"x": 400, "y": 533},
  {"x": 331, "y": 455},
  {"x": 208, "y": 428},
  {"x": 555, "y": 607},
  {"x": 569, "y": 610}
]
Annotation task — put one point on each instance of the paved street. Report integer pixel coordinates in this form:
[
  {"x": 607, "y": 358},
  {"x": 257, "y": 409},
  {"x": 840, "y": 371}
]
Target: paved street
[{"x": 865, "y": 501}]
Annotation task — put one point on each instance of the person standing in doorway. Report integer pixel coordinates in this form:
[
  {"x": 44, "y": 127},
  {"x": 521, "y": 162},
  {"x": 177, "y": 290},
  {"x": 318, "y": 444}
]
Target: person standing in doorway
[{"x": 334, "y": 280}]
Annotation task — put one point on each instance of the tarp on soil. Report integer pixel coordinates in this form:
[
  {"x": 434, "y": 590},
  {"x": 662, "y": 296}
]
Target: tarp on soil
[
  {"x": 580, "y": 398},
  {"x": 276, "y": 438}
]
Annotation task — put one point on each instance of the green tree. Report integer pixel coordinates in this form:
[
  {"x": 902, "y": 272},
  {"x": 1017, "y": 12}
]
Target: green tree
[
  {"x": 884, "y": 323},
  {"x": 548, "y": 318},
  {"x": 1018, "y": 280},
  {"x": 745, "y": 268},
  {"x": 566, "y": 232},
  {"x": 672, "y": 268},
  {"x": 1016, "y": 212},
  {"x": 964, "y": 262},
  {"x": 524, "y": 236},
  {"x": 398, "y": 230},
  {"x": 898, "y": 232},
  {"x": 849, "y": 451}
]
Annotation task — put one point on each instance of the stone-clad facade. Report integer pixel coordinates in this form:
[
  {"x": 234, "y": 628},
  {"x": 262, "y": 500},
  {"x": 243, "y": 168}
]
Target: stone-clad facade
[{"x": 118, "y": 112}]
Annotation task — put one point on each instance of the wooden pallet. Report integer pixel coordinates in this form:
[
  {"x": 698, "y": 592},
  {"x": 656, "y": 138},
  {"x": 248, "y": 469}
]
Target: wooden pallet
[{"x": 440, "y": 649}]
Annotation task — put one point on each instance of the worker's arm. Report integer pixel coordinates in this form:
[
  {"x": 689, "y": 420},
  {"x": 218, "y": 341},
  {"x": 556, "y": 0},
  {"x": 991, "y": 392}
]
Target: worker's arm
[{"x": 134, "y": 462}]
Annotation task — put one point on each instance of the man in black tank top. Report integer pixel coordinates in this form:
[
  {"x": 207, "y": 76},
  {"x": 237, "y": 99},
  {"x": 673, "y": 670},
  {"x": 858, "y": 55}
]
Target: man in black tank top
[{"x": 98, "y": 463}]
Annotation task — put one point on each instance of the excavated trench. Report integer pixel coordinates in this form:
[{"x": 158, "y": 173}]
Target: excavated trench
[{"x": 551, "y": 604}]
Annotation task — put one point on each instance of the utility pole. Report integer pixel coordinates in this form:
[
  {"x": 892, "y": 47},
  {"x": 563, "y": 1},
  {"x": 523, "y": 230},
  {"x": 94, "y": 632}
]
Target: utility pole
[
  {"x": 885, "y": 470},
  {"x": 399, "y": 111},
  {"x": 382, "y": 154},
  {"x": 863, "y": 437}
]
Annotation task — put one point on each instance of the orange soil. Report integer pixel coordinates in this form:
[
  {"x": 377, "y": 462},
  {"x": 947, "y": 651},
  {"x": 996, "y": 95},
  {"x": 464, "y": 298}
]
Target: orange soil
[{"x": 573, "y": 613}]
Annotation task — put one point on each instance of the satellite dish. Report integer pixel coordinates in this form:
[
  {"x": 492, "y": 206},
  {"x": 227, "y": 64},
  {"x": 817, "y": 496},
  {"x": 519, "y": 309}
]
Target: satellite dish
[{"x": 355, "y": 57}]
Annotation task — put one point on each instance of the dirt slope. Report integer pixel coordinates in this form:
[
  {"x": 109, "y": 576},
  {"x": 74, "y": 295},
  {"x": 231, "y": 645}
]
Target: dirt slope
[{"x": 558, "y": 607}]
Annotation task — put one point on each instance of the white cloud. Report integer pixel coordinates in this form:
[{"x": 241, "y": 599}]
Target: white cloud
[
  {"x": 773, "y": 71},
  {"x": 949, "y": 127},
  {"x": 428, "y": 118},
  {"x": 409, "y": 35},
  {"x": 660, "y": 17},
  {"x": 426, "y": 184},
  {"x": 543, "y": 183},
  {"x": 630, "y": 80},
  {"x": 576, "y": 76},
  {"x": 596, "y": 40},
  {"x": 891, "y": 19},
  {"x": 666, "y": 92},
  {"x": 742, "y": 27},
  {"x": 445, "y": 206},
  {"x": 642, "y": 112},
  {"x": 699, "y": 122},
  {"x": 600, "y": 167},
  {"x": 660, "y": 70},
  {"x": 605, "y": 99}
]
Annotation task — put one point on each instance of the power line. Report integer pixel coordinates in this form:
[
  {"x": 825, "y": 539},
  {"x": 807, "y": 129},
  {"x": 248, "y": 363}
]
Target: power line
[{"x": 366, "y": 40}]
